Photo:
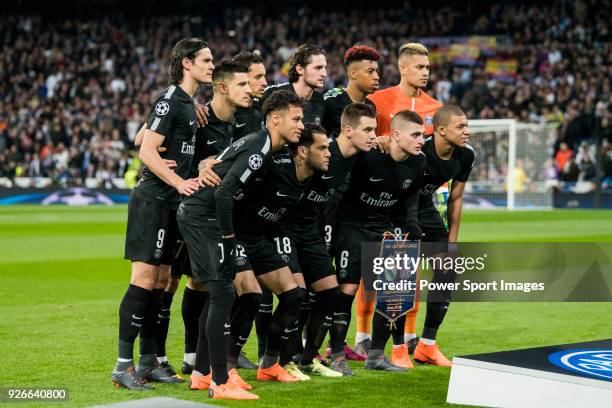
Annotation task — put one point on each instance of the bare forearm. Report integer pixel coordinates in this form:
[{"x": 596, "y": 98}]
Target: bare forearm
[
  {"x": 140, "y": 135},
  {"x": 154, "y": 162},
  {"x": 454, "y": 219}
]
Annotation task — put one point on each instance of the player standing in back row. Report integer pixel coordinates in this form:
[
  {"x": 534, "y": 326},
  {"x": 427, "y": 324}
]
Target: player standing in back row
[
  {"x": 361, "y": 63},
  {"x": 151, "y": 227},
  {"x": 307, "y": 73}
]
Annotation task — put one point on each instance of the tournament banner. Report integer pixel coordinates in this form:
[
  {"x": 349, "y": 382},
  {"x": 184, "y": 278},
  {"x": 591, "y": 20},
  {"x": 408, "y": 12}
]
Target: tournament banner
[
  {"x": 63, "y": 196},
  {"x": 398, "y": 297},
  {"x": 464, "y": 54},
  {"x": 502, "y": 69},
  {"x": 486, "y": 272}
]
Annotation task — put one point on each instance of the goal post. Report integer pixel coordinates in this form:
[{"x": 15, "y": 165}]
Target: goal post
[{"x": 512, "y": 163}]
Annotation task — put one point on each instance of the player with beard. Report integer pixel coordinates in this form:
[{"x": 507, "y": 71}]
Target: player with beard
[
  {"x": 378, "y": 183},
  {"x": 262, "y": 261},
  {"x": 361, "y": 63},
  {"x": 303, "y": 242},
  {"x": 258, "y": 217},
  {"x": 151, "y": 229},
  {"x": 413, "y": 65},
  {"x": 449, "y": 157},
  {"x": 307, "y": 73},
  {"x": 206, "y": 223}
]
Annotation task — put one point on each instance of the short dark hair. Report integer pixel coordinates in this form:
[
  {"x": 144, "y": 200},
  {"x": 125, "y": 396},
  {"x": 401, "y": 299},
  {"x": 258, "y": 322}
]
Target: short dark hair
[
  {"x": 443, "y": 115},
  {"x": 247, "y": 58},
  {"x": 352, "y": 113},
  {"x": 407, "y": 116},
  {"x": 302, "y": 57},
  {"x": 307, "y": 136},
  {"x": 227, "y": 68},
  {"x": 280, "y": 100},
  {"x": 186, "y": 48},
  {"x": 360, "y": 53}
]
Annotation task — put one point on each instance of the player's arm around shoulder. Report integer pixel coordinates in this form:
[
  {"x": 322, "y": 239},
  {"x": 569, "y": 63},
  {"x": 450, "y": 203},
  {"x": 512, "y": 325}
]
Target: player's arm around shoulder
[{"x": 149, "y": 155}]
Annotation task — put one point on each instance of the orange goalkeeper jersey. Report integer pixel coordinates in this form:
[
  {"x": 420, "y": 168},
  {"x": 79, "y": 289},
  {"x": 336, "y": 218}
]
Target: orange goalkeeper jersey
[{"x": 392, "y": 100}]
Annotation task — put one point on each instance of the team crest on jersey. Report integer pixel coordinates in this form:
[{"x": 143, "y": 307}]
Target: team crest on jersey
[
  {"x": 255, "y": 161},
  {"x": 318, "y": 120},
  {"x": 428, "y": 120},
  {"x": 406, "y": 184},
  {"x": 162, "y": 108}
]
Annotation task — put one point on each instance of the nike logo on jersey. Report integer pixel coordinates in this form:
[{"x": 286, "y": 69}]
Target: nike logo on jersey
[
  {"x": 136, "y": 317},
  {"x": 278, "y": 193},
  {"x": 374, "y": 180},
  {"x": 227, "y": 326},
  {"x": 209, "y": 142},
  {"x": 327, "y": 177},
  {"x": 191, "y": 122},
  {"x": 239, "y": 125}
]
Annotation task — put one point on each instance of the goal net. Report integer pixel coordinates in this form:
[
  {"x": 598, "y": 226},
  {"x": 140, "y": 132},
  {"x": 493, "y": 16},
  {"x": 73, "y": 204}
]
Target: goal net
[{"x": 512, "y": 165}]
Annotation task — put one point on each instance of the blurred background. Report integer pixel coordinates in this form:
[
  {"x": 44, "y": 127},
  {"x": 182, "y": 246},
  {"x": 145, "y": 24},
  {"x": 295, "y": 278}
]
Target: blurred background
[{"x": 77, "y": 79}]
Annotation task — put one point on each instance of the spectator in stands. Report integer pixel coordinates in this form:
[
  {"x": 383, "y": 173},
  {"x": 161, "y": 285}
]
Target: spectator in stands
[
  {"x": 570, "y": 170},
  {"x": 549, "y": 174},
  {"x": 563, "y": 156},
  {"x": 77, "y": 85}
]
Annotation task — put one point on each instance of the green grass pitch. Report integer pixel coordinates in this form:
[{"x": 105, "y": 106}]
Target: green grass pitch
[{"x": 62, "y": 277}]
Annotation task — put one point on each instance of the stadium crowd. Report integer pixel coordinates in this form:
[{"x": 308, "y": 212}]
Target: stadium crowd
[{"x": 73, "y": 92}]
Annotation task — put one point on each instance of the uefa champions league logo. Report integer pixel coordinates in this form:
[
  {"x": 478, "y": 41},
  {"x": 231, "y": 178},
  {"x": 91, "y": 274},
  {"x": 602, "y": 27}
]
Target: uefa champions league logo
[
  {"x": 162, "y": 108},
  {"x": 255, "y": 161},
  {"x": 595, "y": 363}
]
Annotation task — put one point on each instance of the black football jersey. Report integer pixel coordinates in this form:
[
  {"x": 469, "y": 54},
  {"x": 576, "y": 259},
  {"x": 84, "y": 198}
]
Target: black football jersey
[
  {"x": 335, "y": 101},
  {"x": 322, "y": 189},
  {"x": 377, "y": 184},
  {"x": 248, "y": 120},
  {"x": 313, "y": 108},
  {"x": 212, "y": 139},
  {"x": 243, "y": 163},
  {"x": 439, "y": 172},
  {"x": 278, "y": 192},
  {"x": 173, "y": 116}
]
